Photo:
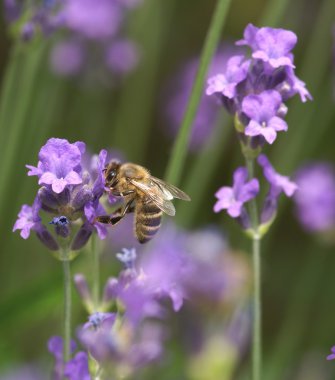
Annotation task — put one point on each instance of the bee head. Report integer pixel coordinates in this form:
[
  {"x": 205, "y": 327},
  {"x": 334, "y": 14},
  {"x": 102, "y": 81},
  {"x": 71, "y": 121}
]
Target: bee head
[{"x": 111, "y": 172}]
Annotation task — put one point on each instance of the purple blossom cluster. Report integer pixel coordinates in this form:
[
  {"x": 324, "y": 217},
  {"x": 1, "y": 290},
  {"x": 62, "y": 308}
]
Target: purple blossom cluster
[
  {"x": 70, "y": 192},
  {"x": 255, "y": 89},
  {"x": 243, "y": 190},
  {"x": 132, "y": 336},
  {"x": 315, "y": 198},
  {"x": 90, "y": 25}
]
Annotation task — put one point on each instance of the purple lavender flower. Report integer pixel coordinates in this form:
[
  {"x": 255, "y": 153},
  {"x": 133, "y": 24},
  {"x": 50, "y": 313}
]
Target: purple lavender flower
[
  {"x": 59, "y": 164},
  {"x": 24, "y": 372},
  {"x": 77, "y": 368},
  {"x": 127, "y": 257},
  {"x": 55, "y": 347},
  {"x": 233, "y": 198},
  {"x": 278, "y": 184},
  {"x": 262, "y": 110},
  {"x": 254, "y": 90},
  {"x": 270, "y": 45},
  {"x": 67, "y": 58},
  {"x": 235, "y": 73},
  {"x": 122, "y": 56},
  {"x": 315, "y": 197},
  {"x": 88, "y": 24},
  {"x": 91, "y": 19},
  {"x": 124, "y": 345},
  {"x": 71, "y": 191},
  {"x": 332, "y": 355},
  {"x": 100, "y": 320}
]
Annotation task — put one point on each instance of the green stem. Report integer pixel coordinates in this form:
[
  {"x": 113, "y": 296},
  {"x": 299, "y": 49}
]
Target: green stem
[
  {"x": 256, "y": 339},
  {"x": 257, "y": 302},
  {"x": 179, "y": 150},
  {"x": 207, "y": 163},
  {"x": 67, "y": 308},
  {"x": 96, "y": 273}
]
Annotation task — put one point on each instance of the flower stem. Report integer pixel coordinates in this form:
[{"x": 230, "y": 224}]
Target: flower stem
[
  {"x": 179, "y": 150},
  {"x": 67, "y": 308},
  {"x": 257, "y": 303},
  {"x": 256, "y": 339},
  {"x": 96, "y": 272}
]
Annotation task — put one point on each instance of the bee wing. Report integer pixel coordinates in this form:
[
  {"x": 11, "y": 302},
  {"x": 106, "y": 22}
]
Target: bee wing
[
  {"x": 155, "y": 194},
  {"x": 171, "y": 190}
]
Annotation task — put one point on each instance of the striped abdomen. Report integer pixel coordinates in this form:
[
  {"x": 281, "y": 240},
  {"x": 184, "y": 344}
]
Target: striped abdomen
[{"x": 147, "y": 220}]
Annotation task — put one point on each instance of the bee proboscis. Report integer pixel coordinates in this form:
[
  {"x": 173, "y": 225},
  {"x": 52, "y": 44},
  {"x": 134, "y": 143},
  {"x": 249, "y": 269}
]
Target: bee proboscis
[{"x": 145, "y": 195}]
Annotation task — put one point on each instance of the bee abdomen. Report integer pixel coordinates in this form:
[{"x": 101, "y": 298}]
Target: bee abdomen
[{"x": 147, "y": 221}]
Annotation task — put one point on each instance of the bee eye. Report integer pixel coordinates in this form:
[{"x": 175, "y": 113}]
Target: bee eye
[{"x": 111, "y": 176}]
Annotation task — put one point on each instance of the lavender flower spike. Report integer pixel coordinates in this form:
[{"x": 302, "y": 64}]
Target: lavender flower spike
[
  {"x": 262, "y": 110},
  {"x": 233, "y": 198}
]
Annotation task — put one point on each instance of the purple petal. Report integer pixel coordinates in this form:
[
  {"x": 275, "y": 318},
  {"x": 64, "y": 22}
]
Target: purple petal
[
  {"x": 73, "y": 178},
  {"x": 249, "y": 190},
  {"x": 253, "y": 129},
  {"x": 249, "y": 36},
  {"x": 262, "y": 107},
  {"x": 216, "y": 84},
  {"x": 225, "y": 194},
  {"x": 47, "y": 178},
  {"x": 269, "y": 134},
  {"x": 58, "y": 185},
  {"x": 277, "y": 124},
  {"x": 234, "y": 209}
]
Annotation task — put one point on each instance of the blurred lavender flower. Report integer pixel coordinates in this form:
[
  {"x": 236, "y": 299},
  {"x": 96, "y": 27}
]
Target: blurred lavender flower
[
  {"x": 55, "y": 347},
  {"x": 77, "y": 368},
  {"x": 67, "y": 58},
  {"x": 121, "y": 348},
  {"x": 233, "y": 198},
  {"x": 315, "y": 198},
  {"x": 69, "y": 192},
  {"x": 332, "y": 355},
  {"x": 255, "y": 89},
  {"x": 24, "y": 372},
  {"x": 89, "y": 25},
  {"x": 178, "y": 94},
  {"x": 278, "y": 184}
]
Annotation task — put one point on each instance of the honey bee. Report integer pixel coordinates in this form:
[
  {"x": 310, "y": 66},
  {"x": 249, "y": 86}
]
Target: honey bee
[{"x": 145, "y": 195}]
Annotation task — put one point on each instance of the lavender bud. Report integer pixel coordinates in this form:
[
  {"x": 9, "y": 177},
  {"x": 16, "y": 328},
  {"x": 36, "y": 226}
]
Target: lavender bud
[
  {"x": 46, "y": 238},
  {"x": 61, "y": 226},
  {"x": 83, "y": 196},
  {"x": 111, "y": 290},
  {"x": 82, "y": 237},
  {"x": 27, "y": 31},
  {"x": 83, "y": 290}
]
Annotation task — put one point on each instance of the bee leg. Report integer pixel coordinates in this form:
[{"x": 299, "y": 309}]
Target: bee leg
[
  {"x": 123, "y": 193},
  {"x": 117, "y": 215}
]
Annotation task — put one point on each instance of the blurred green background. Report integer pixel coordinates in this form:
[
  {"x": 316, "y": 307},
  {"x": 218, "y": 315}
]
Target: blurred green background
[{"x": 298, "y": 279}]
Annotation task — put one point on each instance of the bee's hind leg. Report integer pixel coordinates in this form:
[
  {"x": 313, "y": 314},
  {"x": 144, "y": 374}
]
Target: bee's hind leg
[{"x": 117, "y": 215}]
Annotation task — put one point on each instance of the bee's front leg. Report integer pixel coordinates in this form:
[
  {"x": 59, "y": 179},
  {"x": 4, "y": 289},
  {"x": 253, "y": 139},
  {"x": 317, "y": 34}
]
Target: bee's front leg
[{"x": 117, "y": 215}]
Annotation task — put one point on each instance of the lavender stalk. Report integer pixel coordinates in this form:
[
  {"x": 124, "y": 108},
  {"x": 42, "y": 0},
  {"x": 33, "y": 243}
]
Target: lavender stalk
[
  {"x": 67, "y": 306},
  {"x": 257, "y": 301}
]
